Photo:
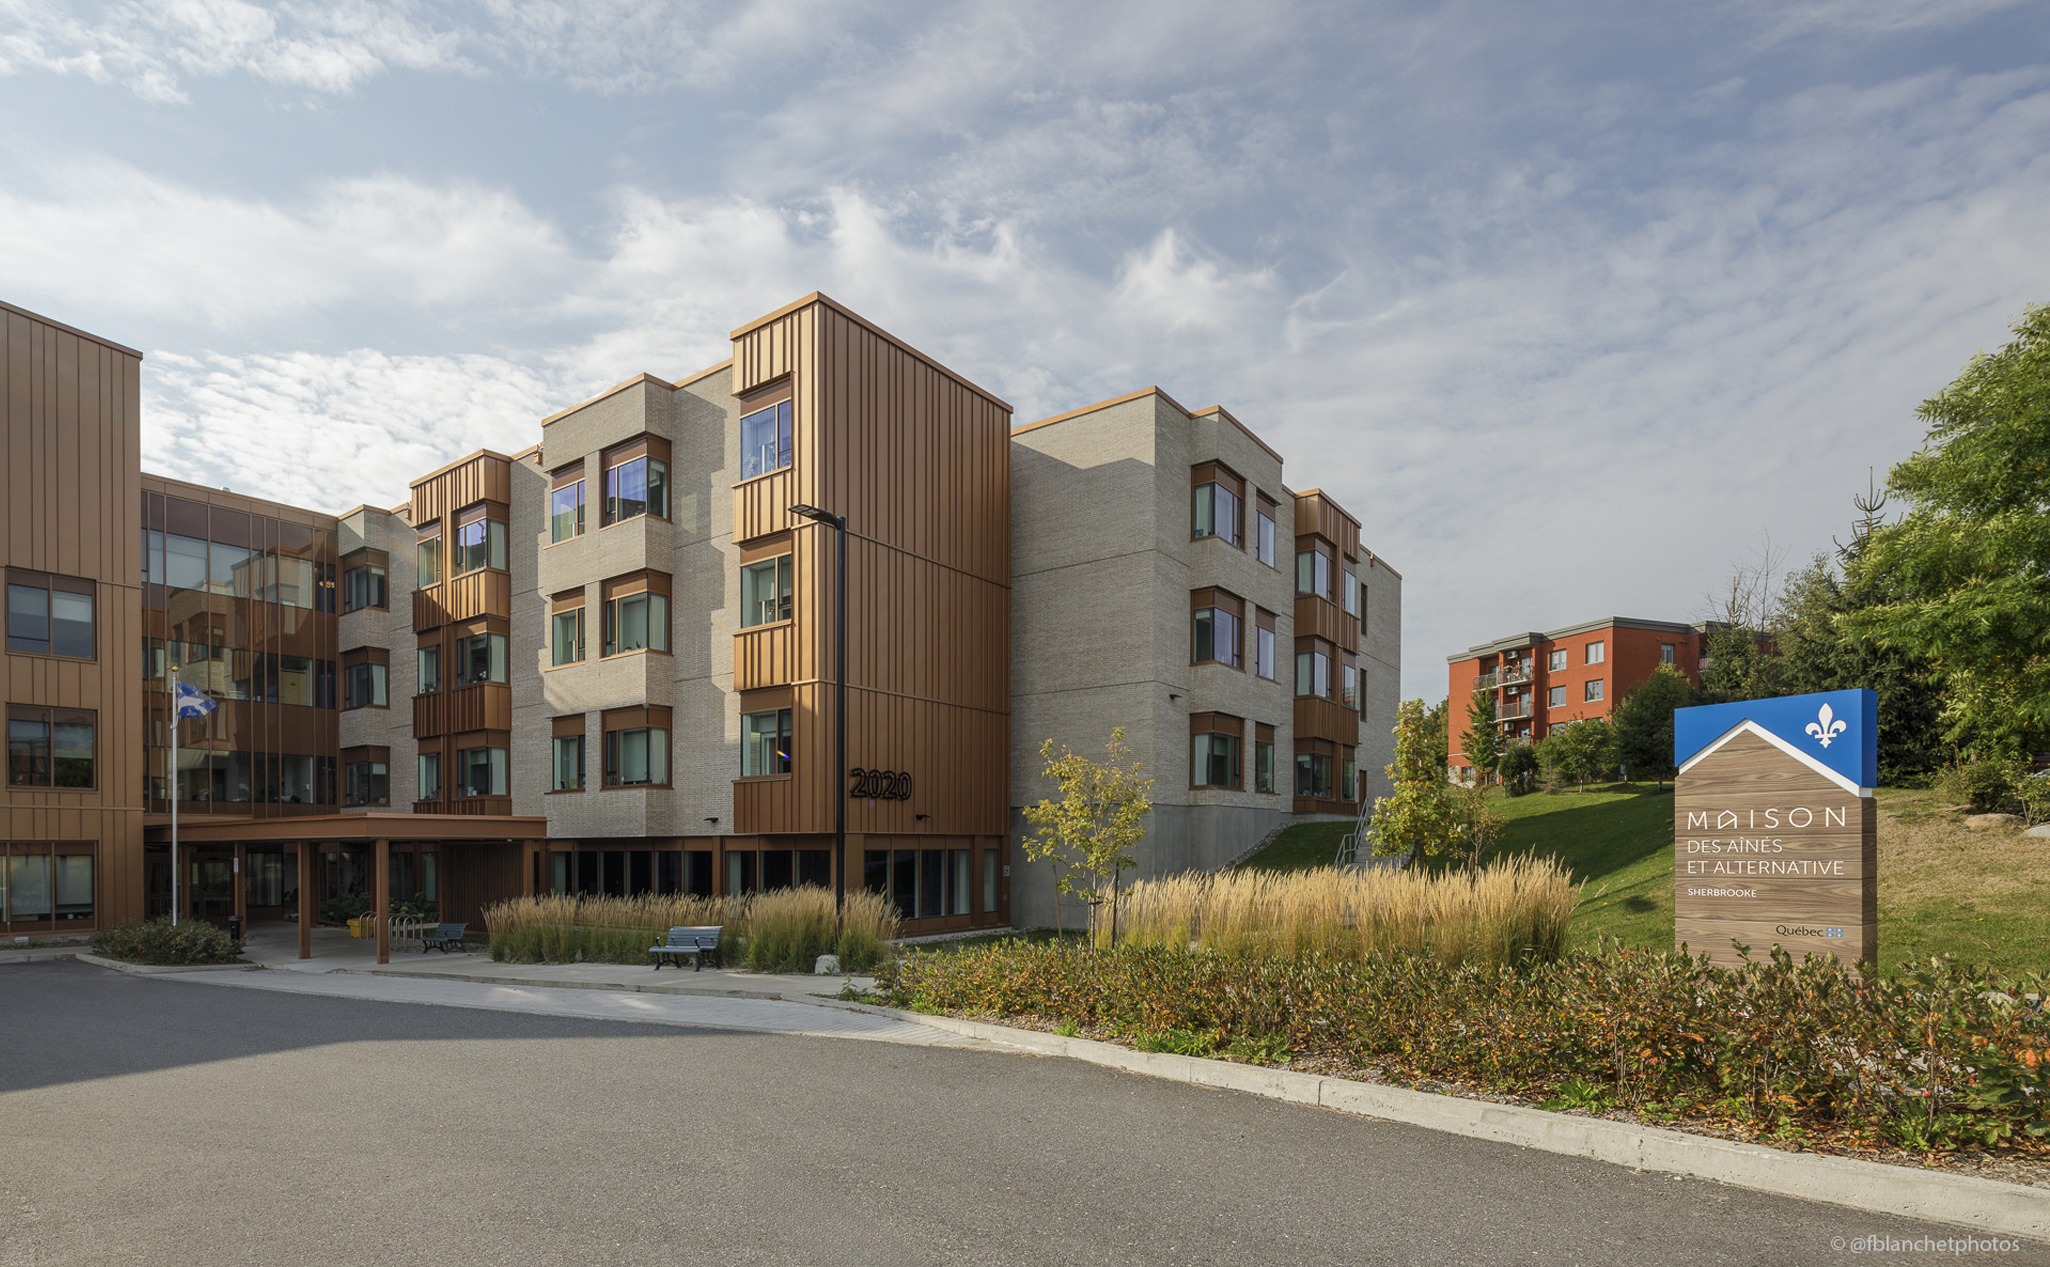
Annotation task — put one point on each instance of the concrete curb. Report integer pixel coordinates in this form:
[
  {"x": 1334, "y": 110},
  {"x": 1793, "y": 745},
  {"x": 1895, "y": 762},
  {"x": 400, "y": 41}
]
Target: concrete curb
[
  {"x": 1967, "y": 1201},
  {"x": 154, "y": 969},
  {"x": 476, "y": 978},
  {"x": 45, "y": 954}
]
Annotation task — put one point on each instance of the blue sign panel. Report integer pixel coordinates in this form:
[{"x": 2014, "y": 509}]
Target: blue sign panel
[{"x": 1836, "y": 729}]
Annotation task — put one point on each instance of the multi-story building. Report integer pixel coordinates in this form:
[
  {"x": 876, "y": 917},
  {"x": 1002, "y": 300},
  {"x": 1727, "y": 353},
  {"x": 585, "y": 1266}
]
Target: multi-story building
[
  {"x": 608, "y": 663},
  {"x": 1166, "y": 581},
  {"x": 1542, "y": 681}
]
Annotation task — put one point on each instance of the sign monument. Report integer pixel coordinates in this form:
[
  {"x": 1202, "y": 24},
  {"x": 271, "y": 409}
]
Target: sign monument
[{"x": 1775, "y": 839}]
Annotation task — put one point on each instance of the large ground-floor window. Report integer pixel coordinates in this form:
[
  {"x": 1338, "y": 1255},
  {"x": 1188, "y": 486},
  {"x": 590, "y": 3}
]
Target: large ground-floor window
[
  {"x": 46, "y": 887},
  {"x": 923, "y": 883}
]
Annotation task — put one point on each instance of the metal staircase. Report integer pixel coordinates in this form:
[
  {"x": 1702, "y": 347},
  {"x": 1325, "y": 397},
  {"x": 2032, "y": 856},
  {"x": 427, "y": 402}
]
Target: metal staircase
[{"x": 1349, "y": 844}]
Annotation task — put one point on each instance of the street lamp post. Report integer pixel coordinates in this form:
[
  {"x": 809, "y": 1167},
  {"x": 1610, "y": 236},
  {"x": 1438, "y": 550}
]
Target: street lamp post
[{"x": 839, "y": 525}]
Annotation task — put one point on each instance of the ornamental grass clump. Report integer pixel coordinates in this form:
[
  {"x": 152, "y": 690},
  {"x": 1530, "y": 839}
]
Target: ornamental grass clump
[
  {"x": 1941, "y": 1057},
  {"x": 568, "y": 928},
  {"x": 1502, "y": 914},
  {"x": 788, "y": 929}
]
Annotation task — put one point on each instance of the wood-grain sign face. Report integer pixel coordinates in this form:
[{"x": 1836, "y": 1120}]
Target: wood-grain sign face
[{"x": 1774, "y": 832}]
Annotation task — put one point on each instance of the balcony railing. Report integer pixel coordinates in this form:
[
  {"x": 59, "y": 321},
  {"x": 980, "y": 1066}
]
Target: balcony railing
[
  {"x": 1503, "y": 677},
  {"x": 1513, "y": 712}
]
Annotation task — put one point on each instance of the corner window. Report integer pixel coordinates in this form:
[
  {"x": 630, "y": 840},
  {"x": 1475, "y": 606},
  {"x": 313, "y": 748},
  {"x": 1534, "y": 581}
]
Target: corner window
[
  {"x": 479, "y": 544},
  {"x": 1313, "y": 673},
  {"x": 1263, "y": 765},
  {"x": 636, "y": 757},
  {"x": 765, "y": 743},
  {"x": 482, "y": 771},
  {"x": 366, "y": 783},
  {"x": 1349, "y": 777},
  {"x": 363, "y": 585},
  {"x": 568, "y": 763},
  {"x": 636, "y": 482},
  {"x": 636, "y": 616},
  {"x": 1597, "y": 652},
  {"x": 363, "y": 686},
  {"x": 1558, "y": 662},
  {"x": 429, "y": 663},
  {"x": 50, "y": 747},
  {"x": 1214, "y": 759},
  {"x": 1313, "y": 775},
  {"x": 1263, "y": 539},
  {"x": 49, "y": 615},
  {"x": 1263, "y": 652},
  {"x": 1313, "y": 573},
  {"x": 566, "y": 511},
  {"x": 1349, "y": 694},
  {"x": 427, "y": 559},
  {"x": 1217, "y": 513},
  {"x": 1352, "y": 593},
  {"x": 566, "y": 635},
  {"x": 1591, "y": 691},
  {"x": 1216, "y": 637},
  {"x": 765, "y": 440},
  {"x": 481, "y": 658},
  {"x": 765, "y": 591},
  {"x": 430, "y": 776}
]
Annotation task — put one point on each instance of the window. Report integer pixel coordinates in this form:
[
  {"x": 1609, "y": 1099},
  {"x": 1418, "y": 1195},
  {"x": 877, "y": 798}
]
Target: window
[
  {"x": 637, "y": 747},
  {"x": 366, "y": 783},
  {"x": 1558, "y": 663},
  {"x": 989, "y": 881},
  {"x": 363, "y": 686},
  {"x": 1349, "y": 693},
  {"x": 1263, "y": 649},
  {"x": 566, "y": 634},
  {"x": 1313, "y": 573},
  {"x": 430, "y": 776},
  {"x": 1217, "y": 513},
  {"x": 765, "y": 591},
  {"x": 920, "y": 883},
  {"x": 1263, "y": 538},
  {"x": 427, "y": 559},
  {"x": 637, "y": 614},
  {"x": 480, "y": 543},
  {"x": 1263, "y": 763},
  {"x": 765, "y": 440},
  {"x": 364, "y": 586},
  {"x": 568, "y": 763},
  {"x": 1313, "y": 673},
  {"x": 1216, "y": 636},
  {"x": 429, "y": 663},
  {"x": 765, "y": 743},
  {"x": 50, "y": 747},
  {"x": 1348, "y": 777},
  {"x": 1556, "y": 697},
  {"x": 481, "y": 658},
  {"x": 1313, "y": 774},
  {"x": 1597, "y": 652},
  {"x": 45, "y": 886},
  {"x": 1214, "y": 760},
  {"x": 482, "y": 771},
  {"x": 636, "y": 483},
  {"x": 1665, "y": 653},
  {"x": 1352, "y": 593},
  {"x": 1592, "y": 691},
  {"x": 49, "y": 615},
  {"x": 566, "y": 507}
]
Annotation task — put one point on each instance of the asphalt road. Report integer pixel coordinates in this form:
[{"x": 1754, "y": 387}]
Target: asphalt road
[{"x": 149, "y": 1121}]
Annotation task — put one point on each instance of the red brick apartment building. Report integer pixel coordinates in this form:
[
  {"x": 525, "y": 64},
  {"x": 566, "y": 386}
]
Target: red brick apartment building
[{"x": 1543, "y": 681}]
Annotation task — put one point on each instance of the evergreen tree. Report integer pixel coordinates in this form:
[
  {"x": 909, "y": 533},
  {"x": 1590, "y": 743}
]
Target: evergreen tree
[
  {"x": 1482, "y": 741},
  {"x": 1643, "y": 723}
]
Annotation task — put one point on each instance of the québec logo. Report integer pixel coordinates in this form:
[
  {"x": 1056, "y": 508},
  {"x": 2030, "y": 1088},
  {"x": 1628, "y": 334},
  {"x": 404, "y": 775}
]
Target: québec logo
[{"x": 1827, "y": 726}]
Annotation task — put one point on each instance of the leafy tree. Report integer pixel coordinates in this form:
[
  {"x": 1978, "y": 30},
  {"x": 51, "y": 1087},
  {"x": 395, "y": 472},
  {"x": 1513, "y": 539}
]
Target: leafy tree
[
  {"x": 1741, "y": 660},
  {"x": 1089, "y": 833},
  {"x": 1643, "y": 723},
  {"x": 1581, "y": 752},
  {"x": 1477, "y": 826},
  {"x": 1417, "y": 819},
  {"x": 1437, "y": 731},
  {"x": 1969, "y": 563},
  {"x": 1518, "y": 768},
  {"x": 1481, "y": 742}
]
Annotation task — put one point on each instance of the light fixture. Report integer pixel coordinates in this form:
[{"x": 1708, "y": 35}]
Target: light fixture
[
  {"x": 712, "y": 820},
  {"x": 1172, "y": 695}
]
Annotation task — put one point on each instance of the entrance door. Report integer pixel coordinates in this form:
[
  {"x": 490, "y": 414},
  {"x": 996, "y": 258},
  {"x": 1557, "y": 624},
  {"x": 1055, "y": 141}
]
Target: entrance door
[{"x": 213, "y": 887}]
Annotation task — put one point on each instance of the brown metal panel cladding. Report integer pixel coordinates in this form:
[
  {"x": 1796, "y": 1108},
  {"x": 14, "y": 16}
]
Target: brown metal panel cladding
[
  {"x": 365, "y": 655},
  {"x": 566, "y": 600},
  {"x": 486, "y": 592},
  {"x": 1218, "y": 724},
  {"x": 186, "y": 518},
  {"x": 764, "y": 656},
  {"x": 767, "y": 549},
  {"x": 1326, "y": 720},
  {"x": 483, "y": 510},
  {"x": 761, "y": 506},
  {"x": 563, "y": 476},
  {"x": 1327, "y": 620},
  {"x": 366, "y": 752},
  {"x": 1263, "y": 733},
  {"x": 655, "y": 716},
  {"x": 567, "y": 727},
  {"x": 646, "y": 581},
  {"x": 626, "y": 451},
  {"x": 1263, "y": 619},
  {"x": 1211, "y": 596},
  {"x": 1219, "y": 473}
]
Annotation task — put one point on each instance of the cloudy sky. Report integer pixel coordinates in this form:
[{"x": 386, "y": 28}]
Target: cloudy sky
[{"x": 1570, "y": 304}]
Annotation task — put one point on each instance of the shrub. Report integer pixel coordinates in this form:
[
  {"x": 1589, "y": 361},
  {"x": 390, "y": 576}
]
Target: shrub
[
  {"x": 1982, "y": 784},
  {"x": 158, "y": 942},
  {"x": 1516, "y": 908},
  {"x": 1940, "y": 1057},
  {"x": 1519, "y": 769}
]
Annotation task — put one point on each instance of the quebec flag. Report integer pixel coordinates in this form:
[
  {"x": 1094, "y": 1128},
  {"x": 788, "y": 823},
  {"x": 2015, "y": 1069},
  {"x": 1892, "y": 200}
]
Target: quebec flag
[{"x": 193, "y": 702}]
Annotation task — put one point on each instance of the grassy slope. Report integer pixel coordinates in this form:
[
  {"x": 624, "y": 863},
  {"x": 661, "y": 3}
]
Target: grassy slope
[{"x": 1983, "y": 896}]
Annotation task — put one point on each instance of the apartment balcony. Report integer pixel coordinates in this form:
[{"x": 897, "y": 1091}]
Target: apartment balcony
[
  {"x": 1513, "y": 712},
  {"x": 1504, "y": 677}
]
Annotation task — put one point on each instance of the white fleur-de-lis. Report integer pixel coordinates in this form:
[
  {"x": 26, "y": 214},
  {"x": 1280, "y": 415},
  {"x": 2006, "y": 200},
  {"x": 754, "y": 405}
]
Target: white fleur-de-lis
[{"x": 1825, "y": 727}]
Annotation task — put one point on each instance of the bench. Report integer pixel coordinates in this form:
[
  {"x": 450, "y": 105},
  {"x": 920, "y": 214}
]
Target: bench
[
  {"x": 695, "y": 942},
  {"x": 445, "y": 937}
]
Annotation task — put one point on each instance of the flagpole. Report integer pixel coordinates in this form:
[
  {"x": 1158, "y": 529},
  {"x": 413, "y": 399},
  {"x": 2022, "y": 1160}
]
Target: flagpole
[{"x": 174, "y": 796}]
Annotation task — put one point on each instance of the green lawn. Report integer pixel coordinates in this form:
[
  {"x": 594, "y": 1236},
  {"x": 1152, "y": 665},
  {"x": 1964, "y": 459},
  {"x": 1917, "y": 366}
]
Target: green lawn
[{"x": 1982, "y": 896}]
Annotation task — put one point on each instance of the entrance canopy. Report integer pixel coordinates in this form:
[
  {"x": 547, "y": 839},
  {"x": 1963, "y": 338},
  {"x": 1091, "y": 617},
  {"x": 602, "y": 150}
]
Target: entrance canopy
[{"x": 377, "y": 830}]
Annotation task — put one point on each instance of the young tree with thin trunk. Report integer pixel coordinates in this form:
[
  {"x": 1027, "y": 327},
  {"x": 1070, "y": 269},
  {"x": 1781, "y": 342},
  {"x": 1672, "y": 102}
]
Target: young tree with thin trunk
[
  {"x": 1088, "y": 834},
  {"x": 1482, "y": 741},
  {"x": 1417, "y": 820}
]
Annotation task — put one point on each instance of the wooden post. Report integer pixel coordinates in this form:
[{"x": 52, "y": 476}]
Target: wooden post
[
  {"x": 306, "y": 903},
  {"x": 383, "y": 901}
]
